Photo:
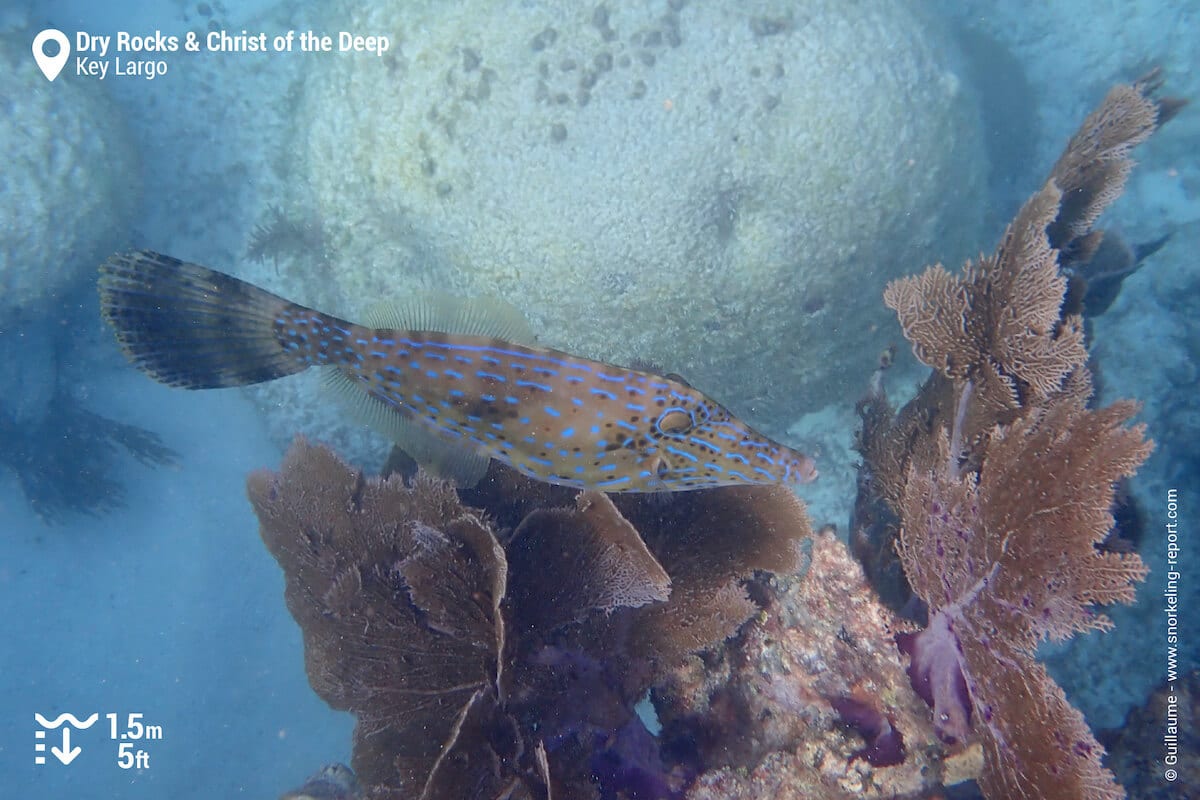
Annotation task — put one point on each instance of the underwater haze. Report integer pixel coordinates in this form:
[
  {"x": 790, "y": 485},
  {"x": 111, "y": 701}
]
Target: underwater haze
[{"x": 713, "y": 195}]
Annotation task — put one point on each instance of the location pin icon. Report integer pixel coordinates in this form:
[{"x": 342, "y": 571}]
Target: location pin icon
[{"x": 51, "y": 65}]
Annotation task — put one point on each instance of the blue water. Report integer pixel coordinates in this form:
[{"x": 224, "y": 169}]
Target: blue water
[{"x": 170, "y": 607}]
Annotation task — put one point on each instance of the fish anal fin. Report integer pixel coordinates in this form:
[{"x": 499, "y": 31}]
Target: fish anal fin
[{"x": 437, "y": 453}]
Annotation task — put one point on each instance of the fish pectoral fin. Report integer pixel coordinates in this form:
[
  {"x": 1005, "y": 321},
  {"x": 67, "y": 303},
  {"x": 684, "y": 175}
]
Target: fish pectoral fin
[{"x": 455, "y": 460}]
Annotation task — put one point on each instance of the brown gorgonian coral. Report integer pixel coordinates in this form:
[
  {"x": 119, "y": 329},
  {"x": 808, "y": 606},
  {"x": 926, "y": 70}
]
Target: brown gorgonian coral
[{"x": 500, "y": 653}]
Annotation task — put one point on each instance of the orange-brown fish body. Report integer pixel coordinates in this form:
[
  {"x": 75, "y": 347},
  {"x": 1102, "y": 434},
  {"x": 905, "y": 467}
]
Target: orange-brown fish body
[{"x": 553, "y": 416}]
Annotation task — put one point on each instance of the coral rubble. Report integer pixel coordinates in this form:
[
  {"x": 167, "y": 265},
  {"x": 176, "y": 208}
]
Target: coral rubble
[{"x": 1000, "y": 479}]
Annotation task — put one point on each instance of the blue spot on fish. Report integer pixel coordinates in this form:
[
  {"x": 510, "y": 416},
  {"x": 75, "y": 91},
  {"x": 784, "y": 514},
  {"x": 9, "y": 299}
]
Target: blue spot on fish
[
  {"x": 682, "y": 453},
  {"x": 613, "y": 482}
]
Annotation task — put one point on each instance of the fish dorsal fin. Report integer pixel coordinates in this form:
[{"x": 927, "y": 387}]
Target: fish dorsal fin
[
  {"x": 453, "y": 460},
  {"x": 445, "y": 313}
]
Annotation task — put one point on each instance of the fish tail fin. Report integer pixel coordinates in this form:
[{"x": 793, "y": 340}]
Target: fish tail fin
[{"x": 190, "y": 326}]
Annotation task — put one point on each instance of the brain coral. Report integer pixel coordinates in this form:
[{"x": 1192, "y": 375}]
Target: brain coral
[
  {"x": 722, "y": 189},
  {"x": 69, "y": 184}
]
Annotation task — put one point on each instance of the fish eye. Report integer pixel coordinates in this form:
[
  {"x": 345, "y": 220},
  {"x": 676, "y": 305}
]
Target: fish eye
[{"x": 674, "y": 421}]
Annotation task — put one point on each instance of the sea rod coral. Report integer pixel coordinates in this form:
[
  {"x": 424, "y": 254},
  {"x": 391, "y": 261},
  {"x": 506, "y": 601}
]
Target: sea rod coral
[{"x": 1002, "y": 478}]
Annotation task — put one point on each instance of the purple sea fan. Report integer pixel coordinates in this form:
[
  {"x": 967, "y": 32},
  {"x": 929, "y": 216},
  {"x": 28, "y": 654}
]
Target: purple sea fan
[
  {"x": 1003, "y": 479},
  {"x": 1005, "y": 560},
  {"x": 947, "y": 577}
]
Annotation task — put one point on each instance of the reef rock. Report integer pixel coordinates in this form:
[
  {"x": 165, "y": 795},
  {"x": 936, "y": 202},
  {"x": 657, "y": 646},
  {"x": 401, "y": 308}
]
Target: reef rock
[
  {"x": 811, "y": 702},
  {"x": 70, "y": 184},
  {"x": 715, "y": 187}
]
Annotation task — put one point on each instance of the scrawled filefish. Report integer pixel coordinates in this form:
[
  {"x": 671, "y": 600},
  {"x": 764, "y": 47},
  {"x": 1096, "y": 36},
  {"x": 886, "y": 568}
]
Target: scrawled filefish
[{"x": 553, "y": 416}]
